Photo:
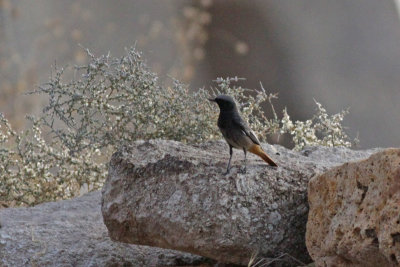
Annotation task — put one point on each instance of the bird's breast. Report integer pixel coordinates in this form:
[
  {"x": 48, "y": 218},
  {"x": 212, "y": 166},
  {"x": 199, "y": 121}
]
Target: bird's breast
[{"x": 225, "y": 120}]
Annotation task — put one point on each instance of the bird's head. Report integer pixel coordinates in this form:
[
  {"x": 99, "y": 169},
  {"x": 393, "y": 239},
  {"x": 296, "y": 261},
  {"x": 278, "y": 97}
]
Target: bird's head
[{"x": 225, "y": 102}]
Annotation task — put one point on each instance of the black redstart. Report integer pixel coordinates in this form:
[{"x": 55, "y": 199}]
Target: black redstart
[{"x": 236, "y": 131}]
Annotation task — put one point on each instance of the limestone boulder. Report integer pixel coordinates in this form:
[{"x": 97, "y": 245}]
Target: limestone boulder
[{"x": 354, "y": 217}]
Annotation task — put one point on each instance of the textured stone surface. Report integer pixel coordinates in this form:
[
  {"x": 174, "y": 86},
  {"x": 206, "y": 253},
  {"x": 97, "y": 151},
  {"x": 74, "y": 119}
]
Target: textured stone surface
[
  {"x": 72, "y": 233},
  {"x": 170, "y": 195},
  {"x": 354, "y": 217}
]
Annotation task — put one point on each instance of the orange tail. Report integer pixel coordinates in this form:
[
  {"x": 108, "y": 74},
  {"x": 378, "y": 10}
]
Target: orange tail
[{"x": 256, "y": 149}]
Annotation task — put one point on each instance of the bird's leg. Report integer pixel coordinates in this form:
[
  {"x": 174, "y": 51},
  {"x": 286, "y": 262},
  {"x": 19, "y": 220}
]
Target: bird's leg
[
  {"x": 245, "y": 161},
  {"x": 230, "y": 158}
]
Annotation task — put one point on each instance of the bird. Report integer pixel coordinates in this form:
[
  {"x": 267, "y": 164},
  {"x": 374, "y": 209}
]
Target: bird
[{"x": 236, "y": 131}]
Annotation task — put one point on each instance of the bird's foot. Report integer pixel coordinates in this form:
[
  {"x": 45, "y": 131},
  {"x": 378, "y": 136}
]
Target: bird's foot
[
  {"x": 227, "y": 172},
  {"x": 242, "y": 170}
]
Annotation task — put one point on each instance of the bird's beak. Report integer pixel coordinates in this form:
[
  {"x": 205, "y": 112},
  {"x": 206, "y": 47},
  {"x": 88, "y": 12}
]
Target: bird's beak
[{"x": 212, "y": 99}]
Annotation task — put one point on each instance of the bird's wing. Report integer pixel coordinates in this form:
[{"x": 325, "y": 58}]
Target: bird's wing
[{"x": 246, "y": 129}]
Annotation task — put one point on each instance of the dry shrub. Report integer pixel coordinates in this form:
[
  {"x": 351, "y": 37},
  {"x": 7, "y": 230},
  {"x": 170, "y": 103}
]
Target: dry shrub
[{"x": 115, "y": 101}]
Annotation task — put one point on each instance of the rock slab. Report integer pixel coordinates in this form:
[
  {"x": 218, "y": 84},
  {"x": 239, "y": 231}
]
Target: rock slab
[
  {"x": 354, "y": 217},
  {"x": 170, "y": 195},
  {"x": 72, "y": 233}
]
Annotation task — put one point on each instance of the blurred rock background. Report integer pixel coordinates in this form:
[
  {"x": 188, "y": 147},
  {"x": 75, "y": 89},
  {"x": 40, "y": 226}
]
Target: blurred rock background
[{"x": 341, "y": 53}]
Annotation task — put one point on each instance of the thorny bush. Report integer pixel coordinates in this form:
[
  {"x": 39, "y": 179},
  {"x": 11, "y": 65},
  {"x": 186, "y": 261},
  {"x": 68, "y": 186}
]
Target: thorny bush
[{"x": 115, "y": 101}]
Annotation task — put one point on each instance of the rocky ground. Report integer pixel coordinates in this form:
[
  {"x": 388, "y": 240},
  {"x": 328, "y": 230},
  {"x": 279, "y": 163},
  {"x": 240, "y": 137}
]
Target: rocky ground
[
  {"x": 164, "y": 200},
  {"x": 167, "y": 194},
  {"x": 72, "y": 233}
]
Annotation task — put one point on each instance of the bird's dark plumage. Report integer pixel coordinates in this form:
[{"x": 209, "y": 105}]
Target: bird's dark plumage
[{"x": 236, "y": 131}]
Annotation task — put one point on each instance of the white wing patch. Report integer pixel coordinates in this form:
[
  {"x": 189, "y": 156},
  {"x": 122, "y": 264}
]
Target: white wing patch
[{"x": 255, "y": 136}]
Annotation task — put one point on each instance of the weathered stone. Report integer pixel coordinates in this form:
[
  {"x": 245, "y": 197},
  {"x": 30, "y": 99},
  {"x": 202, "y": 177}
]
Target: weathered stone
[
  {"x": 72, "y": 233},
  {"x": 171, "y": 195},
  {"x": 354, "y": 217}
]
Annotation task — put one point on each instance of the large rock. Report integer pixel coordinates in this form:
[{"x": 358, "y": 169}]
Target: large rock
[
  {"x": 72, "y": 233},
  {"x": 170, "y": 195},
  {"x": 354, "y": 217}
]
